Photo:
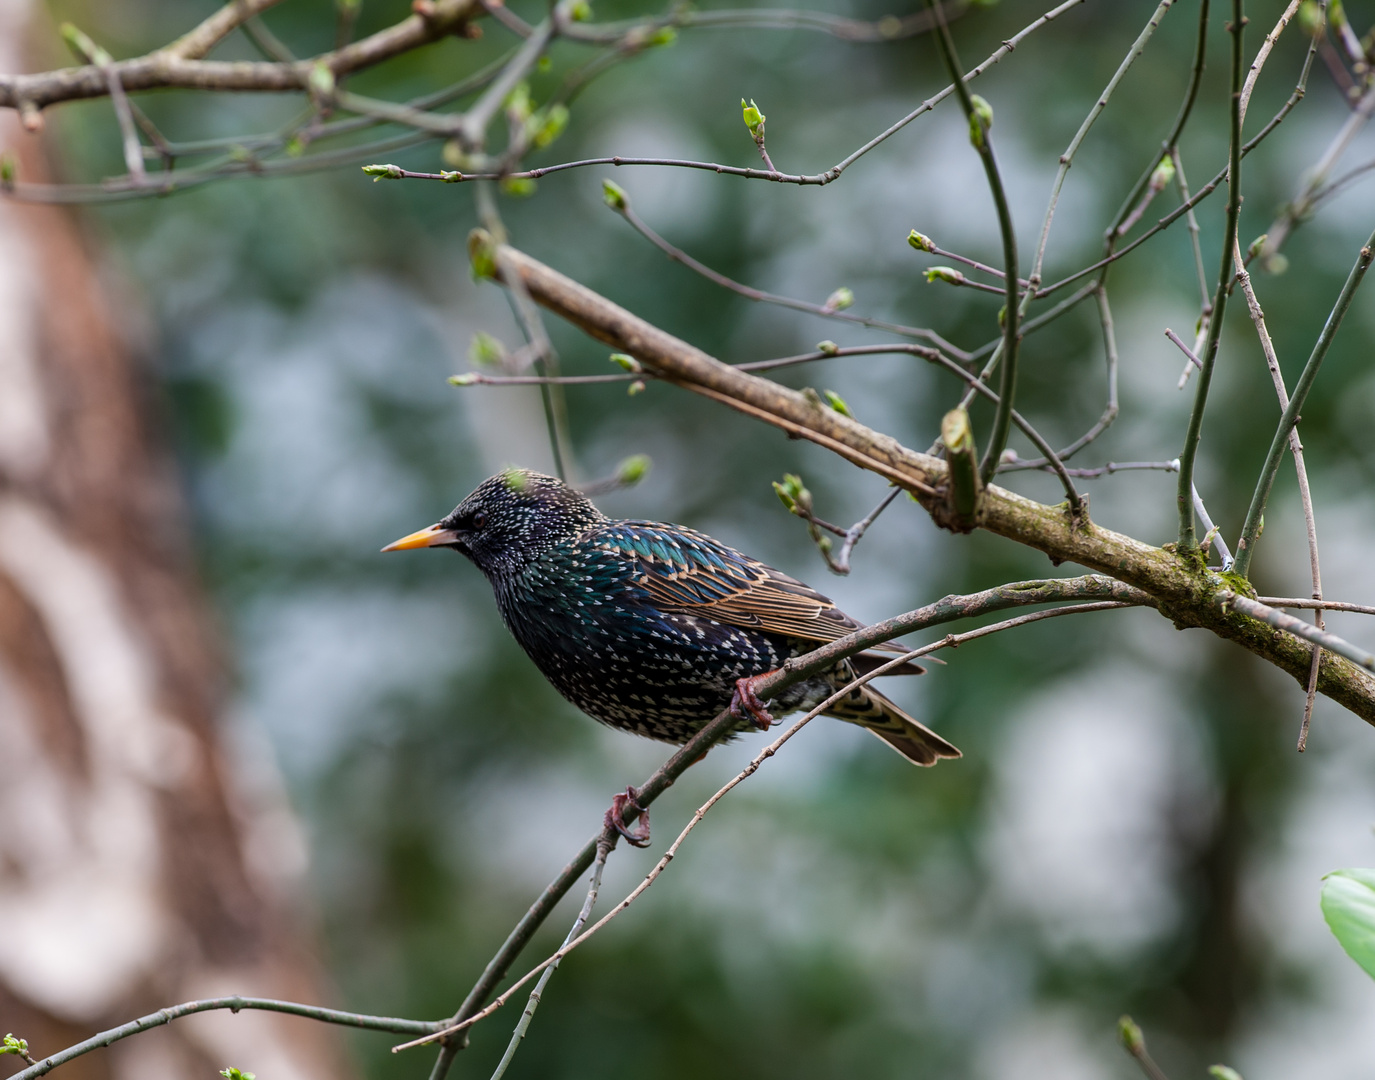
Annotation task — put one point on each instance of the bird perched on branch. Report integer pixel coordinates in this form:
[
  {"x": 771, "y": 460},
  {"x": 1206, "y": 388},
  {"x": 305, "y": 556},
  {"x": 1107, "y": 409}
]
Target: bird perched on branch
[{"x": 654, "y": 628}]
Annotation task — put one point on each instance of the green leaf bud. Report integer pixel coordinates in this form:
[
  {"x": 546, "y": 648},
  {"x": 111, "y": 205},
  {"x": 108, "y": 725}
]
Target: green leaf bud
[
  {"x": 9, "y": 169},
  {"x": 450, "y": 176},
  {"x": 754, "y": 119},
  {"x": 482, "y": 254},
  {"x": 518, "y": 103},
  {"x": 840, "y": 299},
  {"x": 830, "y": 348},
  {"x": 13, "y": 1045},
  {"x": 980, "y": 120},
  {"x": 661, "y": 37},
  {"x": 633, "y": 469},
  {"x": 581, "y": 11},
  {"x": 629, "y": 363},
  {"x": 948, "y": 274},
  {"x": 1255, "y": 246},
  {"x": 637, "y": 387},
  {"x": 321, "y": 82},
  {"x": 614, "y": 196},
  {"x": 1163, "y": 175},
  {"x": 837, "y": 402},
  {"x": 1311, "y": 18},
  {"x": 793, "y": 494},
  {"x": 1223, "y": 1072},
  {"x": 920, "y": 241},
  {"x": 1129, "y": 1032},
  {"x": 232, "y": 1073},
  {"x": 548, "y": 124},
  {"x": 470, "y": 378},
  {"x": 486, "y": 351},
  {"x": 384, "y": 172}
]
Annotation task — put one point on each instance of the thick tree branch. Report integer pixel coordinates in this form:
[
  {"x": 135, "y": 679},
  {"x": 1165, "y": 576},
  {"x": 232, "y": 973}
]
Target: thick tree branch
[
  {"x": 176, "y": 66},
  {"x": 1181, "y": 587}
]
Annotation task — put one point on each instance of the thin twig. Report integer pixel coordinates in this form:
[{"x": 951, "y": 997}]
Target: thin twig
[
  {"x": 950, "y": 641},
  {"x": 948, "y": 609},
  {"x": 1188, "y": 540},
  {"x": 233, "y": 1004},
  {"x": 1250, "y": 531},
  {"x": 1322, "y": 605},
  {"x": 620, "y": 203},
  {"x": 1305, "y": 494},
  {"x": 981, "y": 136},
  {"x": 603, "y": 850},
  {"x": 1299, "y": 628}
]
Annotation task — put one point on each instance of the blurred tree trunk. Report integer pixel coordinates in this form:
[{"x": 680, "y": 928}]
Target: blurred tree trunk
[{"x": 135, "y": 870}]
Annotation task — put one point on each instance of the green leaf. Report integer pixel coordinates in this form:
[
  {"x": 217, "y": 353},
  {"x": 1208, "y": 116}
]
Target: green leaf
[{"x": 1348, "y": 905}]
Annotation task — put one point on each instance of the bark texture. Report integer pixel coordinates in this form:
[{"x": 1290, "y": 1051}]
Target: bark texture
[{"x": 135, "y": 870}]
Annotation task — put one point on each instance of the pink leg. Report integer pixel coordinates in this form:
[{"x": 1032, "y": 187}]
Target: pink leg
[
  {"x": 745, "y": 703},
  {"x": 636, "y": 837}
]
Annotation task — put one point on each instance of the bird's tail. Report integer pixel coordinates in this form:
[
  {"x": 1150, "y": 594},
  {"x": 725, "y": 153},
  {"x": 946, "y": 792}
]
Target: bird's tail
[{"x": 871, "y": 710}]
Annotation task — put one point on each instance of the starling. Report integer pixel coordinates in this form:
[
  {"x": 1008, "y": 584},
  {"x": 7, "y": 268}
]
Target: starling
[{"x": 654, "y": 628}]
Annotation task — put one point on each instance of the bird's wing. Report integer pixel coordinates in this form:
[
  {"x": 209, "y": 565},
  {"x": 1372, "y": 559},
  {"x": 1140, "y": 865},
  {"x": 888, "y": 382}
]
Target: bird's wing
[{"x": 686, "y": 572}]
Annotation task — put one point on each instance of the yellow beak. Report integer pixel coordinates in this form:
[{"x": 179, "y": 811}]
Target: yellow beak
[{"x": 434, "y": 536}]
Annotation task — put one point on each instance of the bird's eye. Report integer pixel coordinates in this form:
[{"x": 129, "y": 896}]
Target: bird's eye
[{"x": 479, "y": 519}]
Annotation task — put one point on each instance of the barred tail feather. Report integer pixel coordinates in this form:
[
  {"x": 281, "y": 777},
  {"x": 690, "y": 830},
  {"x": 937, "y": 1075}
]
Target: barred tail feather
[{"x": 871, "y": 710}]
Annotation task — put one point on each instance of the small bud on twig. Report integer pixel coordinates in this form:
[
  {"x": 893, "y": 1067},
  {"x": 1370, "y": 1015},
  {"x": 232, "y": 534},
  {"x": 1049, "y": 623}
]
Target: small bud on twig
[
  {"x": 629, "y": 363},
  {"x": 614, "y": 196},
  {"x": 920, "y": 241},
  {"x": 837, "y": 402},
  {"x": 384, "y": 172},
  {"x": 830, "y": 348},
  {"x": 633, "y": 469},
  {"x": 1223, "y": 1072},
  {"x": 793, "y": 494},
  {"x": 1163, "y": 175},
  {"x": 486, "y": 351},
  {"x": 980, "y": 120},
  {"x": 947, "y": 274},
  {"x": 754, "y": 119},
  {"x": 839, "y": 300},
  {"x": 482, "y": 253},
  {"x": 1129, "y": 1032},
  {"x": 637, "y": 387}
]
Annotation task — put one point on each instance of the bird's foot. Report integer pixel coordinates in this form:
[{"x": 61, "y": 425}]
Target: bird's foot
[
  {"x": 745, "y": 703},
  {"x": 636, "y": 837}
]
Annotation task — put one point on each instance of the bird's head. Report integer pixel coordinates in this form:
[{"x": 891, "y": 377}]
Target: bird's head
[{"x": 508, "y": 521}]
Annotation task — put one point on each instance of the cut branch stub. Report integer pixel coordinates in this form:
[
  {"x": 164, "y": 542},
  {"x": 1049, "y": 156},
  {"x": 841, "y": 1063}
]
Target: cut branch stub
[{"x": 964, "y": 493}]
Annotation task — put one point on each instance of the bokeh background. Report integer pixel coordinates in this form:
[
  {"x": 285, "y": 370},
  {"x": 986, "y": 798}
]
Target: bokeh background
[{"x": 1130, "y": 829}]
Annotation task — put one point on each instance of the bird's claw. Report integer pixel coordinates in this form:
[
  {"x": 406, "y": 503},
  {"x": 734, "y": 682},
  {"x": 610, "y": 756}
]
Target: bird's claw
[
  {"x": 636, "y": 837},
  {"x": 745, "y": 704}
]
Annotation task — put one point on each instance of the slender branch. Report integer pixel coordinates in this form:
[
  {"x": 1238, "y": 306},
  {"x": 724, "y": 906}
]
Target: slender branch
[
  {"x": 1250, "y": 531},
  {"x": 1305, "y": 494},
  {"x": 1188, "y": 541},
  {"x": 233, "y": 1004},
  {"x": 1067, "y": 158},
  {"x": 809, "y": 179},
  {"x": 198, "y": 42},
  {"x": 1321, "y": 605},
  {"x": 1299, "y": 628},
  {"x": 619, "y": 201},
  {"x": 981, "y": 137},
  {"x": 166, "y": 68},
  {"x": 950, "y": 641},
  {"x": 1181, "y": 588},
  {"x": 603, "y": 850}
]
